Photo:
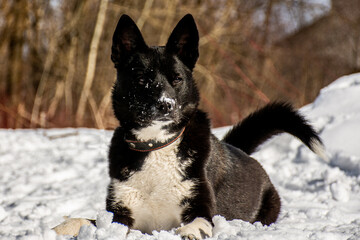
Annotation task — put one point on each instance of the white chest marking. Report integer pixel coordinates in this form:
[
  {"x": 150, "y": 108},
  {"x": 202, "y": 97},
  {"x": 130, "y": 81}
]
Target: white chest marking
[
  {"x": 154, "y": 194},
  {"x": 154, "y": 132}
]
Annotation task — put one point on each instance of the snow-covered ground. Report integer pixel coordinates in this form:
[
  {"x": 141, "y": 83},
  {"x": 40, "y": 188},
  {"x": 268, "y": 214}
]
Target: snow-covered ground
[{"x": 47, "y": 174}]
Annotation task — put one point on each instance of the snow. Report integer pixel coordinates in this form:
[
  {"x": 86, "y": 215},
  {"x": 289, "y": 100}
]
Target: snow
[{"x": 48, "y": 174}]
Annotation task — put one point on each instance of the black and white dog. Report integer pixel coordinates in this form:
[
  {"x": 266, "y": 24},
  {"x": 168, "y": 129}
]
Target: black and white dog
[{"x": 165, "y": 165}]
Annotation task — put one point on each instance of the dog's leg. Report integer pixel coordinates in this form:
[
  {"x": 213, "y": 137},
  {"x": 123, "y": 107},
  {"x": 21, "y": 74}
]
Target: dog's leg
[
  {"x": 71, "y": 226},
  {"x": 121, "y": 213},
  {"x": 200, "y": 228},
  {"x": 270, "y": 207}
]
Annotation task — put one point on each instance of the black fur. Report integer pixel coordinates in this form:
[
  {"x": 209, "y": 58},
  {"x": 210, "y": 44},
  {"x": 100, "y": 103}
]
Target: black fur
[
  {"x": 202, "y": 203},
  {"x": 122, "y": 214},
  {"x": 122, "y": 160},
  {"x": 155, "y": 84},
  {"x": 263, "y": 124}
]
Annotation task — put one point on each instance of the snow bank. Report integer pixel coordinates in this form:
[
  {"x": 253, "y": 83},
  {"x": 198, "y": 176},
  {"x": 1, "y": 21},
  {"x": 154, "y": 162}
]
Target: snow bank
[{"x": 48, "y": 174}]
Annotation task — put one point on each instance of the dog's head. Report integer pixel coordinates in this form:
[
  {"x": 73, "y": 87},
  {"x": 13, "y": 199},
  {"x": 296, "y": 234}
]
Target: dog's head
[{"x": 154, "y": 89}]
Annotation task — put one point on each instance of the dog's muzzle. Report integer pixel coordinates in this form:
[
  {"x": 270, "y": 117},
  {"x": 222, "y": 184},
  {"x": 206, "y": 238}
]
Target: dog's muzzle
[{"x": 165, "y": 105}]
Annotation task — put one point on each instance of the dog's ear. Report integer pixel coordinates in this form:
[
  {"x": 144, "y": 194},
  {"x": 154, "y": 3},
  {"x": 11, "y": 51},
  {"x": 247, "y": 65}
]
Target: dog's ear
[
  {"x": 127, "y": 39},
  {"x": 184, "y": 41}
]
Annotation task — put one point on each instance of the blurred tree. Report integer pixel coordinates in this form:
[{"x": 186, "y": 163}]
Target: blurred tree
[{"x": 56, "y": 54}]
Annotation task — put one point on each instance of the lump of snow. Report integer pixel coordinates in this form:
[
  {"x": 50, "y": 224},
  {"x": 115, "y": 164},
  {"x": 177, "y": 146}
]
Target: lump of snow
[
  {"x": 104, "y": 219},
  {"x": 87, "y": 232},
  {"x": 3, "y": 213},
  {"x": 340, "y": 191}
]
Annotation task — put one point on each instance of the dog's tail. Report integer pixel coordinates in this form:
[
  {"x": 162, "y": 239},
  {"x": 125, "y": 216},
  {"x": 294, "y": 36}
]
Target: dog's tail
[{"x": 270, "y": 120}]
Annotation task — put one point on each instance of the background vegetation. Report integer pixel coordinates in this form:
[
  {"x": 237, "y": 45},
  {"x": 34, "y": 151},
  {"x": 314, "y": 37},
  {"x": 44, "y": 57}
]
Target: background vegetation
[{"x": 56, "y": 69}]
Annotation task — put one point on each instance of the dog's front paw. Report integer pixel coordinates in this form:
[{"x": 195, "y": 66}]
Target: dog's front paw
[
  {"x": 71, "y": 226},
  {"x": 200, "y": 228}
]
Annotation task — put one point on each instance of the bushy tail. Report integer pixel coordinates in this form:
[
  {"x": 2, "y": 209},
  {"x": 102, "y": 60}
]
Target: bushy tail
[{"x": 270, "y": 120}]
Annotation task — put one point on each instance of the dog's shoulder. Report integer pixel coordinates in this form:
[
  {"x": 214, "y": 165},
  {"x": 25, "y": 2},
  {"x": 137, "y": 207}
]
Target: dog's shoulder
[
  {"x": 198, "y": 129},
  {"x": 196, "y": 141}
]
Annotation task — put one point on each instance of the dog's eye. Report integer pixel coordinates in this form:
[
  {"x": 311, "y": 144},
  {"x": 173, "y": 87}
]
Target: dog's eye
[
  {"x": 141, "y": 81},
  {"x": 140, "y": 78},
  {"x": 177, "y": 80}
]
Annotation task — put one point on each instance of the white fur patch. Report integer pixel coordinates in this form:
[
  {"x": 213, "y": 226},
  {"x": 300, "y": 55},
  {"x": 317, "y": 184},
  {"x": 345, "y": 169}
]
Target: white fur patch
[
  {"x": 154, "y": 132},
  {"x": 197, "y": 229},
  {"x": 154, "y": 194},
  {"x": 319, "y": 149}
]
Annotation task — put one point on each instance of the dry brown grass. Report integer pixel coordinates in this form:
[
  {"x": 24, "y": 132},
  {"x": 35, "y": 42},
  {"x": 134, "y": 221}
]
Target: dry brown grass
[{"x": 57, "y": 70}]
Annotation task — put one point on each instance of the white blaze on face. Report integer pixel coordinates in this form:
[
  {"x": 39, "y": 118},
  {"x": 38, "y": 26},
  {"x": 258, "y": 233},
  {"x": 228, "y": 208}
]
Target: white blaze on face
[{"x": 155, "y": 132}]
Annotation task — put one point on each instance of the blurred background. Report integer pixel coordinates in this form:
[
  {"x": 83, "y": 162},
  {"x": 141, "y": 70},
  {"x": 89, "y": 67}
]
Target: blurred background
[{"x": 56, "y": 69}]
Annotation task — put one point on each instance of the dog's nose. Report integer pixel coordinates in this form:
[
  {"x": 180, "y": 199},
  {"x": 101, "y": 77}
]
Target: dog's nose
[{"x": 165, "y": 105}]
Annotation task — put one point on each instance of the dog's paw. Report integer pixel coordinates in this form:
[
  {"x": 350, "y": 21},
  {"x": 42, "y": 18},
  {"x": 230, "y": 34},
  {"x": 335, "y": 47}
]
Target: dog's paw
[
  {"x": 200, "y": 228},
  {"x": 71, "y": 226}
]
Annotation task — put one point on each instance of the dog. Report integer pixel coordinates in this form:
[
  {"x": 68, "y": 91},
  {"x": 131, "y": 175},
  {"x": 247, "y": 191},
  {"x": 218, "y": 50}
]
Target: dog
[{"x": 167, "y": 169}]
